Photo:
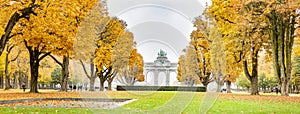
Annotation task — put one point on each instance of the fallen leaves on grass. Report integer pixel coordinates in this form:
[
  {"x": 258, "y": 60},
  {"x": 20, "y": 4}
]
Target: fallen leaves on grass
[
  {"x": 63, "y": 104},
  {"x": 259, "y": 98}
]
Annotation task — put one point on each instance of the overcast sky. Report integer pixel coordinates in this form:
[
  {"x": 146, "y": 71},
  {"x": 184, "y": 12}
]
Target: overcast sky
[{"x": 158, "y": 24}]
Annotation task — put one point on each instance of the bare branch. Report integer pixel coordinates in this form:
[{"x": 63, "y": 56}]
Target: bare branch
[
  {"x": 16, "y": 34},
  {"x": 43, "y": 56},
  {"x": 84, "y": 69},
  {"x": 59, "y": 63},
  {"x": 19, "y": 52}
]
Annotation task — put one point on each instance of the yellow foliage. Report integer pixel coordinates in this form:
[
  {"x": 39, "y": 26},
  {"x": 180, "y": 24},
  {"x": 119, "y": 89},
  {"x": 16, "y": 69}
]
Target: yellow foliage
[
  {"x": 107, "y": 40},
  {"x": 55, "y": 26},
  {"x": 122, "y": 50},
  {"x": 88, "y": 31},
  {"x": 136, "y": 65},
  {"x": 103, "y": 56},
  {"x": 2, "y": 63},
  {"x": 243, "y": 27},
  {"x": 188, "y": 66}
]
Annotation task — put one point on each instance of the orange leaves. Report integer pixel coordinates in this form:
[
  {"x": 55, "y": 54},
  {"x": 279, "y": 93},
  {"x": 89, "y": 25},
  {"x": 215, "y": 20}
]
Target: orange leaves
[
  {"x": 115, "y": 49},
  {"x": 103, "y": 56},
  {"x": 136, "y": 65},
  {"x": 195, "y": 65}
]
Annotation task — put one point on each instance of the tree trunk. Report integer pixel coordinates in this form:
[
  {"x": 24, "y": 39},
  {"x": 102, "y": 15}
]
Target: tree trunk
[
  {"x": 254, "y": 77},
  {"x": 132, "y": 81},
  {"x": 228, "y": 84},
  {"x": 110, "y": 79},
  {"x": 103, "y": 76},
  {"x": 109, "y": 83},
  {"x": 7, "y": 78},
  {"x": 282, "y": 29},
  {"x": 34, "y": 54},
  {"x": 1, "y": 79},
  {"x": 101, "y": 84},
  {"x": 6, "y": 36},
  {"x": 254, "y": 86},
  {"x": 92, "y": 75},
  {"x": 34, "y": 71},
  {"x": 16, "y": 81},
  {"x": 205, "y": 85},
  {"x": 65, "y": 74},
  {"x": 92, "y": 83}
]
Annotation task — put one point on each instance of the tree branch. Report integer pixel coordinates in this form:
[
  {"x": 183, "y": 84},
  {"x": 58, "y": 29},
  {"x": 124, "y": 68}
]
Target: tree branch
[
  {"x": 12, "y": 22},
  {"x": 59, "y": 63},
  {"x": 84, "y": 69},
  {"x": 108, "y": 71},
  {"x": 246, "y": 70},
  {"x": 25, "y": 42},
  {"x": 15, "y": 34},
  {"x": 10, "y": 48},
  {"x": 43, "y": 56},
  {"x": 15, "y": 57},
  {"x": 240, "y": 56}
]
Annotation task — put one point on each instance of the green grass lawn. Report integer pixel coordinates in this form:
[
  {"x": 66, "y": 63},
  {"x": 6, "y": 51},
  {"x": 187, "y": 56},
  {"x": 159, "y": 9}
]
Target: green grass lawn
[{"x": 183, "y": 102}]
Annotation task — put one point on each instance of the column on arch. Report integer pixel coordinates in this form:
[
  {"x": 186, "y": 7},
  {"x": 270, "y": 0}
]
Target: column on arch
[
  {"x": 145, "y": 75},
  {"x": 156, "y": 77},
  {"x": 167, "y": 77}
]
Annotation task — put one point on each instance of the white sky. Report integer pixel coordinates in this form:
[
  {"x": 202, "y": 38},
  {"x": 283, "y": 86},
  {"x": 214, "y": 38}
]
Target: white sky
[{"x": 158, "y": 24}]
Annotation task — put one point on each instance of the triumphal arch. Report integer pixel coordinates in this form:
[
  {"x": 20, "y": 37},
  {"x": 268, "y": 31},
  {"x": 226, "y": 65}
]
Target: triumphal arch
[{"x": 161, "y": 64}]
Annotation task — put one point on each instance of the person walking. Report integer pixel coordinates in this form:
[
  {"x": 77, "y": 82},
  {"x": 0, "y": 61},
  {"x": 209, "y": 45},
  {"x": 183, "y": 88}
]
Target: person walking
[
  {"x": 23, "y": 87},
  {"x": 276, "y": 90}
]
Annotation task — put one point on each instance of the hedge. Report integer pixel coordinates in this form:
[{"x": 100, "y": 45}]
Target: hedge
[{"x": 160, "y": 88}]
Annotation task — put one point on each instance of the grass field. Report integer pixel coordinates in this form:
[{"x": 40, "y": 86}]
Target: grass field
[{"x": 164, "y": 102}]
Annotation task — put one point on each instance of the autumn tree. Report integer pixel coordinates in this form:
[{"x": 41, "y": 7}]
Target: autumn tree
[
  {"x": 121, "y": 54},
  {"x": 50, "y": 31},
  {"x": 133, "y": 71},
  {"x": 295, "y": 77},
  {"x": 92, "y": 25},
  {"x": 20, "y": 67},
  {"x": 15, "y": 10},
  {"x": 73, "y": 21},
  {"x": 8, "y": 60},
  {"x": 243, "y": 24},
  {"x": 188, "y": 67},
  {"x": 224, "y": 67},
  {"x": 201, "y": 48},
  {"x": 2, "y": 68},
  {"x": 282, "y": 16},
  {"x": 107, "y": 39},
  {"x": 221, "y": 70}
]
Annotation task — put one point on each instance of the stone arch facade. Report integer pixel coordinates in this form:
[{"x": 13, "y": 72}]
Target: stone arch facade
[{"x": 160, "y": 65}]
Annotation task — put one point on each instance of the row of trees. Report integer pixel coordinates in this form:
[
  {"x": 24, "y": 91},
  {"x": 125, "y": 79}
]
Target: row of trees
[
  {"x": 47, "y": 28},
  {"x": 235, "y": 32},
  {"x": 112, "y": 52}
]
